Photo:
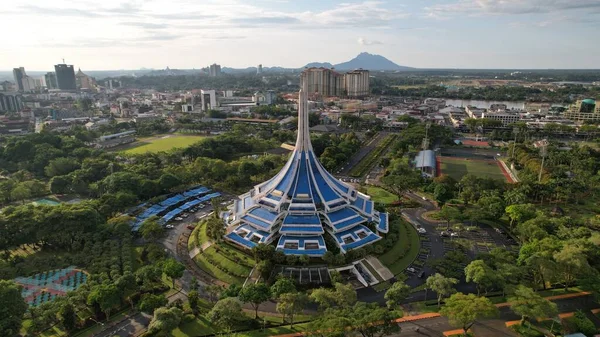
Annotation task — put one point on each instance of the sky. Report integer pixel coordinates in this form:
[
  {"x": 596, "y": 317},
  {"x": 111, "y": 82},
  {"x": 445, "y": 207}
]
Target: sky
[{"x": 185, "y": 34}]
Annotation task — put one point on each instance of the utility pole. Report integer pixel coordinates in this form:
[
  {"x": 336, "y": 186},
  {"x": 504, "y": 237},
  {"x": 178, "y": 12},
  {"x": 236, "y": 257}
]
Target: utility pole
[
  {"x": 543, "y": 153},
  {"x": 515, "y": 131}
]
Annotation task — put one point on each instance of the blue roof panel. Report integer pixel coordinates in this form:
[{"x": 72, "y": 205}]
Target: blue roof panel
[{"x": 302, "y": 220}]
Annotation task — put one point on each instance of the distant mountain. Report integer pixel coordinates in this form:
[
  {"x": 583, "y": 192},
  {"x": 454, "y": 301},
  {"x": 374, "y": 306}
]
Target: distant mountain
[
  {"x": 319, "y": 65},
  {"x": 370, "y": 62}
]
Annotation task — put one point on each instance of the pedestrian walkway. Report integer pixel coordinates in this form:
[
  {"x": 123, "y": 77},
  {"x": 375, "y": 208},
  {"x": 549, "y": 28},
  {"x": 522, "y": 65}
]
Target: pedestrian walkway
[{"x": 383, "y": 271}]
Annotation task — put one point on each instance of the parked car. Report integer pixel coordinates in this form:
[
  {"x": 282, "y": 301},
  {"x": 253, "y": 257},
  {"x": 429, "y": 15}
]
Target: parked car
[
  {"x": 178, "y": 218},
  {"x": 454, "y": 235},
  {"x": 185, "y": 215},
  {"x": 444, "y": 234},
  {"x": 421, "y": 274},
  {"x": 421, "y": 230},
  {"x": 170, "y": 226},
  {"x": 410, "y": 269},
  {"x": 190, "y": 227}
]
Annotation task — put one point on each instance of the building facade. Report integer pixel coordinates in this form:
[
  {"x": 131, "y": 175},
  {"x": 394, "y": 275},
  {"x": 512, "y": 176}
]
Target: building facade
[
  {"x": 19, "y": 74},
  {"x": 322, "y": 81},
  {"x": 83, "y": 81},
  {"x": 65, "y": 77},
  {"x": 356, "y": 83},
  {"x": 10, "y": 102},
  {"x": 303, "y": 204},
  {"x": 584, "y": 110},
  {"x": 504, "y": 117},
  {"x": 50, "y": 78},
  {"x": 214, "y": 70}
]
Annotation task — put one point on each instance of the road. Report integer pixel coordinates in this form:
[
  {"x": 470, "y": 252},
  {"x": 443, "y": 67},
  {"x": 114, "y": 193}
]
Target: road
[{"x": 358, "y": 156}]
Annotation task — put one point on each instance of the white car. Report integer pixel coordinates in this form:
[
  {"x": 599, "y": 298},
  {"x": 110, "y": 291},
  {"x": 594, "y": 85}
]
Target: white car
[
  {"x": 454, "y": 234},
  {"x": 170, "y": 226},
  {"x": 185, "y": 215},
  {"x": 178, "y": 218},
  {"x": 410, "y": 269},
  {"x": 421, "y": 230}
]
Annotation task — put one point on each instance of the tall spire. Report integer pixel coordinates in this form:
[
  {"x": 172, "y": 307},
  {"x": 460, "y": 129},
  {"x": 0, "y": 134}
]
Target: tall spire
[{"x": 303, "y": 139}]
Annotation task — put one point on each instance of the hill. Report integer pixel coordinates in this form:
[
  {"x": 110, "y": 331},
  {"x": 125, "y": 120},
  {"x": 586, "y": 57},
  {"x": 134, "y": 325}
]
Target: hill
[{"x": 370, "y": 62}]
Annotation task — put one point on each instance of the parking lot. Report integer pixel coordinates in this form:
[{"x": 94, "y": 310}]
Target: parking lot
[{"x": 437, "y": 241}]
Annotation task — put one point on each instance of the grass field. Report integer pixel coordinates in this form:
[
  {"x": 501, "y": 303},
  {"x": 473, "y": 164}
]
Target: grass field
[
  {"x": 380, "y": 195},
  {"x": 164, "y": 143},
  {"x": 459, "y": 167},
  {"x": 391, "y": 259}
]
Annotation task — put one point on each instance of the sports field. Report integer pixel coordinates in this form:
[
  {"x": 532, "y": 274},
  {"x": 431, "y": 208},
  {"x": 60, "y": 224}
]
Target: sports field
[
  {"x": 459, "y": 167},
  {"x": 164, "y": 143}
]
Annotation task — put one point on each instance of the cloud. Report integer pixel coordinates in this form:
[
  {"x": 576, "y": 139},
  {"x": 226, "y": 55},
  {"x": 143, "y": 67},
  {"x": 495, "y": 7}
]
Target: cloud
[
  {"x": 511, "y": 7},
  {"x": 124, "y": 9},
  {"x": 364, "y": 42},
  {"x": 266, "y": 20},
  {"x": 145, "y": 25},
  {"x": 364, "y": 14}
]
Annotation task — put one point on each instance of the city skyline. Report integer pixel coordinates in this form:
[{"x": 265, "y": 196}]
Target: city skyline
[{"x": 183, "y": 34}]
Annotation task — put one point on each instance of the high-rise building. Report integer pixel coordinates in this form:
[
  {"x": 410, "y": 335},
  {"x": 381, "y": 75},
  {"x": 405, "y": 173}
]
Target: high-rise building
[
  {"x": 29, "y": 84},
  {"x": 10, "y": 102},
  {"x": 18, "y": 74},
  {"x": 356, "y": 83},
  {"x": 304, "y": 204},
  {"x": 83, "y": 81},
  {"x": 50, "y": 78},
  {"x": 259, "y": 69},
  {"x": 214, "y": 70},
  {"x": 322, "y": 81},
  {"x": 65, "y": 77}
]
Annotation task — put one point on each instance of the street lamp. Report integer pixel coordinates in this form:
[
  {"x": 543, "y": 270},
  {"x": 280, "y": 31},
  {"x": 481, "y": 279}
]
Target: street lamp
[{"x": 515, "y": 131}]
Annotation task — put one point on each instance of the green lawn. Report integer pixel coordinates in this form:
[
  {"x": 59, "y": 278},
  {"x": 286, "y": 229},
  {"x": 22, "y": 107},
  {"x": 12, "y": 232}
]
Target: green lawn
[
  {"x": 226, "y": 261},
  {"x": 165, "y": 143},
  {"x": 391, "y": 259},
  {"x": 211, "y": 269},
  {"x": 459, "y": 167},
  {"x": 379, "y": 195}
]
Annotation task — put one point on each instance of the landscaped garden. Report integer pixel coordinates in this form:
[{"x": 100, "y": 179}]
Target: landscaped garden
[
  {"x": 405, "y": 249},
  {"x": 381, "y": 196}
]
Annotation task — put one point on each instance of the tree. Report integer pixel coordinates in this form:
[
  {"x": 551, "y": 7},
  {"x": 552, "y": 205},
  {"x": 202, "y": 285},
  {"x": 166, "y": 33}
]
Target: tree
[
  {"x": 571, "y": 262},
  {"x": 151, "y": 302},
  {"x": 165, "y": 320},
  {"x": 397, "y": 293},
  {"x": 67, "y": 316},
  {"x": 463, "y": 310},
  {"x": 60, "y": 184},
  {"x": 151, "y": 230},
  {"x": 12, "y": 309},
  {"x": 480, "y": 273},
  {"x": 283, "y": 285},
  {"x": 449, "y": 213},
  {"x": 290, "y": 304},
  {"x": 520, "y": 213},
  {"x": 443, "y": 286},
  {"x": 492, "y": 206},
  {"x": 362, "y": 316},
  {"x": 61, "y": 166},
  {"x": 215, "y": 228},
  {"x": 255, "y": 294},
  {"x": 529, "y": 304},
  {"x": 20, "y": 192},
  {"x": 345, "y": 294},
  {"x": 128, "y": 287},
  {"x": 106, "y": 296},
  {"x": 173, "y": 269},
  {"x": 226, "y": 313},
  {"x": 194, "y": 301},
  {"x": 325, "y": 298},
  {"x": 263, "y": 252}
]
